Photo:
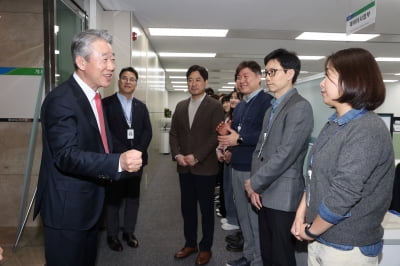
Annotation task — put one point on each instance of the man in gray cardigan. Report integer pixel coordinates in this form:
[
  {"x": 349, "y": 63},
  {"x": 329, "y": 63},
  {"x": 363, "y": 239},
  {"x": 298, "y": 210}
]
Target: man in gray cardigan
[{"x": 276, "y": 183}]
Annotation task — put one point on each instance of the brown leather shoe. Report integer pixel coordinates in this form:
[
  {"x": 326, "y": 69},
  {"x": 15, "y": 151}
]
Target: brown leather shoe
[
  {"x": 203, "y": 257},
  {"x": 185, "y": 252}
]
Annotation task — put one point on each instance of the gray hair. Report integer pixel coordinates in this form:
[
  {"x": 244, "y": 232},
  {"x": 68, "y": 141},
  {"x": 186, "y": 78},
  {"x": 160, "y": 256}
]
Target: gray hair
[{"x": 81, "y": 42}]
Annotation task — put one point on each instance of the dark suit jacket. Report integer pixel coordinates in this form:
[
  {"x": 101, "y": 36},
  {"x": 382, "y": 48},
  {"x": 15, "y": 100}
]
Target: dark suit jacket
[
  {"x": 118, "y": 126},
  {"x": 74, "y": 166},
  {"x": 199, "y": 140},
  {"x": 277, "y": 174}
]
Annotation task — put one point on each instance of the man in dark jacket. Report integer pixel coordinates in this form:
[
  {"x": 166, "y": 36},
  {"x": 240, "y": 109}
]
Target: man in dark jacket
[{"x": 130, "y": 126}]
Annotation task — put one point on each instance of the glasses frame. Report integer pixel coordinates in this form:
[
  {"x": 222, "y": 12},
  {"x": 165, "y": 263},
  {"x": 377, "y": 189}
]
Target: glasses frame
[
  {"x": 126, "y": 80},
  {"x": 272, "y": 71}
]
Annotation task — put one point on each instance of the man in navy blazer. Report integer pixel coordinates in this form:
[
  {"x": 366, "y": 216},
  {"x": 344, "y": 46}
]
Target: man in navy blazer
[
  {"x": 130, "y": 127},
  {"x": 75, "y": 165}
]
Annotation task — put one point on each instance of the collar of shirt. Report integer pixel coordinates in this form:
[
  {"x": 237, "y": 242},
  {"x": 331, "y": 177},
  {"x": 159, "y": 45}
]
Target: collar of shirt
[
  {"x": 89, "y": 92},
  {"x": 123, "y": 99},
  {"x": 247, "y": 98},
  {"x": 347, "y": 117},
  {"x": 198, "y": 100},
  {"x": 276, "y": 102}
]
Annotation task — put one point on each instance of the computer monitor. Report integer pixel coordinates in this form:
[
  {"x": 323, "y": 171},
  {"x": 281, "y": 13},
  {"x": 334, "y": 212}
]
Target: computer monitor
[{"x": 388, "y": 119}]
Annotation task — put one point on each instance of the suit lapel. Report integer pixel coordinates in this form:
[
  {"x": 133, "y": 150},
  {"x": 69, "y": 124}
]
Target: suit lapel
[{"x": 83, "y": 102}]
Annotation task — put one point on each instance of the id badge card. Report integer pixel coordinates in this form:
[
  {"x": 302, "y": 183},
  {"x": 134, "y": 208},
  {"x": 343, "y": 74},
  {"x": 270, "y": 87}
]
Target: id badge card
[{"x": 130, "y": 133}]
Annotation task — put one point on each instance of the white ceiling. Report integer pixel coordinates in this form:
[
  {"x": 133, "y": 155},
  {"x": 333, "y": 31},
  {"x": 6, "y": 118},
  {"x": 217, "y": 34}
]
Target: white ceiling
[{"x": 256, "y": 27}]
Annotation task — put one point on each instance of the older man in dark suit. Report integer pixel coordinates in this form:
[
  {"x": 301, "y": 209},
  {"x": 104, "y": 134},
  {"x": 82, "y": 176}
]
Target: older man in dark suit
[
  {"x": 76, "y": 162},
  {"x": 130, "y": 127},
  {"x": 193, "y": 140}
]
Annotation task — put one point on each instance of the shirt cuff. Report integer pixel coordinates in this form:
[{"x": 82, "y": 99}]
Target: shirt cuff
[{"x": 330, "y": 216}]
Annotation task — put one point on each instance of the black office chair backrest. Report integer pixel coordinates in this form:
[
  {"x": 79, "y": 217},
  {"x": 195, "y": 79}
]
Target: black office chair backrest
[{"x": 395, "y": 204}]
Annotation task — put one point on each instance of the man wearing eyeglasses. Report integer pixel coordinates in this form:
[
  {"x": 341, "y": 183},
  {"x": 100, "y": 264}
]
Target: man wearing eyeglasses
[
  {"x": 129, "y": 122},
  {"x": 276, "y": 183}
]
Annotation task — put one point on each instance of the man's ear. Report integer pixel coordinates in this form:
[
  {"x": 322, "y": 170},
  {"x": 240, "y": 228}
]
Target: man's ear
[
  {"x": 291, "y": 73},
  {"x": 81, "y": 62}
]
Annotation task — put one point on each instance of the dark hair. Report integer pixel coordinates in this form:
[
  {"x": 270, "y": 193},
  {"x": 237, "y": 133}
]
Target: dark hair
[
  {"x": 252, "y": 65},
  {"x": 226, "y": 98},
  {"x": 360, "y": 79},
  {"x": 209, "y": 91},
  {"x": 203, "y": 72},
  {"x": 129, "y": 69},
  {"x": 288, "y": 60}
]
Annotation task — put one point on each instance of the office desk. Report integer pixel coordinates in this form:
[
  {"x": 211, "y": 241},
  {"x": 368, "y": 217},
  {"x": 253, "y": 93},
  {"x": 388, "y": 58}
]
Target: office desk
[{"x": 391, "y": 241}]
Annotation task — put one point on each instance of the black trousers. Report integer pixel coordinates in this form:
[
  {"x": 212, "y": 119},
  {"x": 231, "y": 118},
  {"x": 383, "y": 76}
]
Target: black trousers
[
  {"x": 70, "y": 247},
  {"x": 276, "y": 241},
  {"x": 197, "y": 189},
  {"x": 127, "y": 191}
]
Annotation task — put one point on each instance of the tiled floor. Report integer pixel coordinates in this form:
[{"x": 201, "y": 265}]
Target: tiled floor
[{"x": 30, "y": 248}]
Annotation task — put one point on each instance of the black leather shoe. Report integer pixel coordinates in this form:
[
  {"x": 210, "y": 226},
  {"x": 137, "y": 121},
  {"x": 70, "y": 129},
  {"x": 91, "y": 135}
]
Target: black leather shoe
[
  {"x": 130, "y": 239},
  {"x": 234, "y": 248},
  {"x": 235, "y": 238},
  {"x": 114, "y": 243}
]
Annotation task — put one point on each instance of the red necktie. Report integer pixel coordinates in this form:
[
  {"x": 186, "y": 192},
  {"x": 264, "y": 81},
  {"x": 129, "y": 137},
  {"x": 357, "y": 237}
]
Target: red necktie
[{"x": 103, "y": 134}]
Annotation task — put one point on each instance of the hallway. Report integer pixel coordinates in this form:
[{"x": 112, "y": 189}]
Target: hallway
[{"x": 159, "y": 230}]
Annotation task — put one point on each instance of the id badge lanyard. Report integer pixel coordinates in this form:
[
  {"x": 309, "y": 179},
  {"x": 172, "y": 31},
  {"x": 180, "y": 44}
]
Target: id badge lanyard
[{"x": 130, "y": 132}]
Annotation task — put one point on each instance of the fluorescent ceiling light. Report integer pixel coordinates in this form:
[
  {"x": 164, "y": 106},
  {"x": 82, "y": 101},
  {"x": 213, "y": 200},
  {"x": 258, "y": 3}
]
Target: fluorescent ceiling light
[
  {"x": 180, "y": 90},
  {"x": 176, "y": 70},
  {"x": 230, "y": 90},
  {"x": 166, "y": 54},
  {"x": 143, "y": 54},
  {"x": 388, "y": 59},
  {"x": 342, "y": 37},
  {"x": 390, "y": 80},
  {"x": 397, "y": 74},
  {"x": 228, "y": 87},
  {"x": 177, "y": 77},
  {"x": 179, "y": 82},
  {"x": 179, "y": 86},
  {"x": 188, "y": 32},
  {"x": 231, "y": 83},
  {"x": 310, "y": 57}
]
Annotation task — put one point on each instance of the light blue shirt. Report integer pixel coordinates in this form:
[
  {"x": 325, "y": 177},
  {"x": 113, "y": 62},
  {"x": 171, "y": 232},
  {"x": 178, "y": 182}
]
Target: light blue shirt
[{"x": 126, "y": 105}]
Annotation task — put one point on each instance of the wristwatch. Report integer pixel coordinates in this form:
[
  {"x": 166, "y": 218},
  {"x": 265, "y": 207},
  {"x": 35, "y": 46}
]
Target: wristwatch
[
  {"x": 308, "y": 233},
  {"x": 239, "y": 140}
]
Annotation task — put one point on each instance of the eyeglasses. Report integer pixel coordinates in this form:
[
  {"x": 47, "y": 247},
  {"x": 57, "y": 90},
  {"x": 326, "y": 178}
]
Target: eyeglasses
[
  {"x": 126, "y": 79},
  {"x": 271, "y": 72}
]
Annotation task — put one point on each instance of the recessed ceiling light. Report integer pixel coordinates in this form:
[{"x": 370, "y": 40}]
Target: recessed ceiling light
[
  {"x": 188, "y": 32},
  {"x": 166, "y": 54},
  {"x": 310, "y": 57},
  {"x": 341, "y": 37},
  {"x": 388, "y": 59}
]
